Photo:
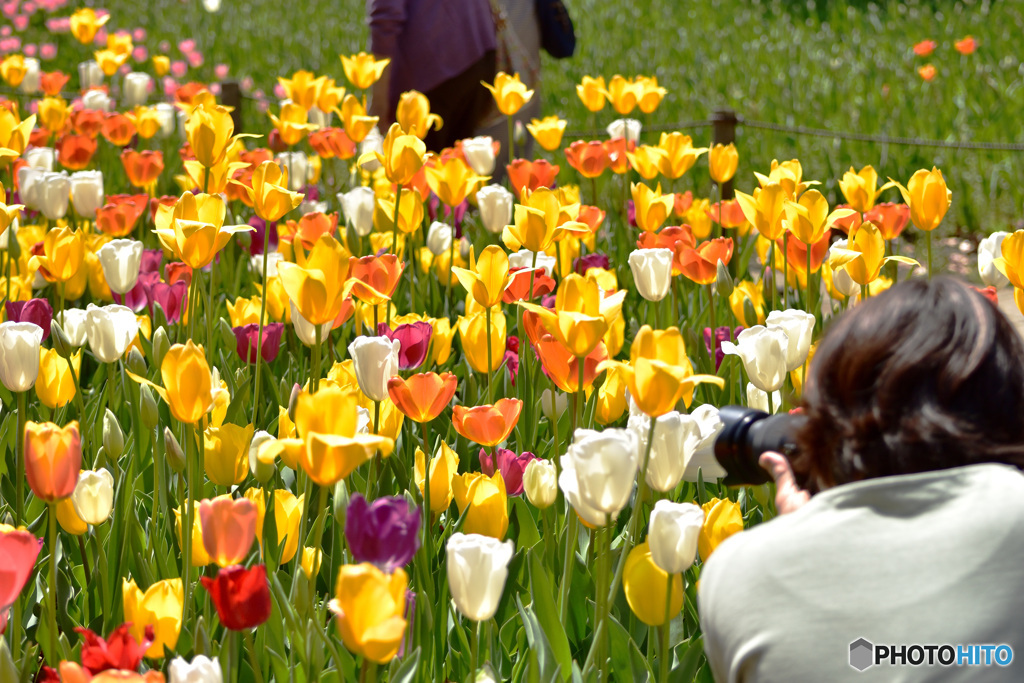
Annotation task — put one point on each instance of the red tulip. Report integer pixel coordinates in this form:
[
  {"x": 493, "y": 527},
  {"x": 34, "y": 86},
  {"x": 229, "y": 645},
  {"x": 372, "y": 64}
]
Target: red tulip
[
  {"x": 18, "y": 552},
  {"x": 518, "y": 288},
  {"x": 119, "y": 651},
  {"x": 241, "y": 596}
]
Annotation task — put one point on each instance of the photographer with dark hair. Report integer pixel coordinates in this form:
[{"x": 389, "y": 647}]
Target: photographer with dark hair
[{"x": 901, "y": 514}]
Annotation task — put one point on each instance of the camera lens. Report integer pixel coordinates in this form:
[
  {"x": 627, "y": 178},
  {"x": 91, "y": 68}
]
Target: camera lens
[{"x": 748, "y": 433}]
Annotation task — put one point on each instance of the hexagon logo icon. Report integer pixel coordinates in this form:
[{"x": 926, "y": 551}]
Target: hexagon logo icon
[{"x": 862, "y": 654}]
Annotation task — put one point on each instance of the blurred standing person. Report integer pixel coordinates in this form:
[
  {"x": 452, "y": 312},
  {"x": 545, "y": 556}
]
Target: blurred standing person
[{"x": 442, "y": 48}]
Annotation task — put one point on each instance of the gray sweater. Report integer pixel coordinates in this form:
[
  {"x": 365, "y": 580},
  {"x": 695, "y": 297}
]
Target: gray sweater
[{"x": 925, "y": 559}]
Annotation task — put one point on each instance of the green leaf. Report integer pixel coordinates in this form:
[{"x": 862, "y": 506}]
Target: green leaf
[
  {"x": 628, "y": 662},
  {"x": 404, "y": 670},
  {"x": 528, "y": 533},
  {"x": 547, "y": 616},
  {"x": 539, "y": 647},
  {"x": 690, "y": 659}
]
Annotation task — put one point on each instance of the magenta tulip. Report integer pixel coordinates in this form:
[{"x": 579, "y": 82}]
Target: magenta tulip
[
  {"x": 415, "y": 338},
  {"x": 38, "y": 311},
  {"x": 509, "y": 464},
  {"x": 248, "y": 337}
]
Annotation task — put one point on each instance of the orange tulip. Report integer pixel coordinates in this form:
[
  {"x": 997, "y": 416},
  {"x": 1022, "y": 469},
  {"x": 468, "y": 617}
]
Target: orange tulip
[
  {"x": 487, "y": 425},
  {"x": 518, "y": 287},
  {"x": 53, "y": 82},
  {"x": 117, "y": 129},
  {"x": 87, "y": 122},
  {"x": 731, "y": 214},
  {"x": 926, "y": 72},
  {"x": 119, "y": 219},
  {"x": 229, "y": 528},
  {"x": 310, "y": 228},
  {"x": 796, "y": 254},
  {"x": 563, "y": 368},
  {"x": 373, "y": 279},
  {"x": 592, "y": 217},
  {"x": 53, "y": 459},
  {"x": 332, "y": 143},
  {"x": 890, "y": 218},
  {"x": 530, "y": 175},
  {"x": 74, "y": 152},
  {"x": 590, "y": 159},
  {"x": 701, "y": 264},
  {"x": 966, "y": 46},
  {"x": 422, "y": 397},
  {"x": 618, "y": 150},
  {"x": 142, "y": 168}
]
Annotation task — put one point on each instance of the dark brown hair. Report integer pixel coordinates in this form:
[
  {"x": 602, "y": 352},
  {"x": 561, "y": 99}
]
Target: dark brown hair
[{"x": 927, "y": 375}]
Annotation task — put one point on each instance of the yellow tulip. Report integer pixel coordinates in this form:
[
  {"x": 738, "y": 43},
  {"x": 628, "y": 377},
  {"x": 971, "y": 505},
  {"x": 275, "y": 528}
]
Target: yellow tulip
[
  {"x": 55, "y": 386},
  {"x": 8, "y": 212},
  {"x": 85, "y": 24},
  {"x": 623, "y": 94},
  {"x": 611, "y": 397},
  {"x": 353, "y": 117},
  {"x": 510, "y": 94},
  {"x": 269, "y": 193},
  {"x": 722, "y": 519},
  {"x": 444, "y": 466},
  {"x": 581, "y": 317},
  {"x": 649, "y": 93},
  {"x": 747, "y": 290},
  {"x": 194, "y": 228},
  {"x": 680, "y": 154},
  {"x": 413, "y": 114},
  {"x": 287, "y": 512},
  {"x": 69, "y": 519},
  {"x": 547, "y": 131},
  {"x": 410, "y": 214},
  {"x": 722, "y": 162},
  {"x": 647, "y": 161},
  {"x": 928, "y": 197},
  {"x": 63, "y": 255},
  {"x": 160, "y": 607},
  {"x": 487, "y": 278},
  {"x": 487, "y": 502},
  {"x": 317, "y": 289},
  {"x": 329, "y": 95},
  {"x": 808, "y": 218},
  {"x": 541, "y": 220},
  {"x": 53, "y": 114},
  {"x": 1011, "y": 261},
  {"x": 161, "y": 65},
  {"x": 110, "y": 61},
  {"x": 402, "y": 155},
  {"x": 765, "y": 209},
  {"x": 227, "y": 453},
  {"x": 473, "y": 337},
  {"x": 592, "y": 93},
  {"x": 646, "y": 587},
  {"x": 864, "y": 255},
  {"x": 310, "y": 562},
  {"x": 331, "y": 410},
  {"x": 146, "y": 120},
  {"x": 13, "y": 70},
  {"x": 188, "y": 384},
  {"x": 369, "y": 607},
  {"x": 652, "y": 207},
  {"x": 363, "y": 70},
  {"x": 861, "y": 188},
  {"x": 453, "y": 180},
  {"x": 391, "y": 418},
  {"x": 245, "y": 311},
  {"x": 210, "y": 131},
  {"x": 788, "y": 174},
  {"x": 293, "y": 123},
  {"x": 14, "y": 132},
  {"x": 302, "y": 88},
  {"x": 200, "y": 558}
]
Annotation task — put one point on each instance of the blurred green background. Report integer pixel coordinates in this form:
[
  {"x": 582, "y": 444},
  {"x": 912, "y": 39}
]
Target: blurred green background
[{"x": 840, "y": 65}]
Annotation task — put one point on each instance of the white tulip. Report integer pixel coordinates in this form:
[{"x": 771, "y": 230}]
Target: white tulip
[
  {"x": 989, "y": 249},
  {"x": 675, "y": 437},
  {"x": 319, "y": 118},
  {"x": 375, "y": 360},
  {"x": 357, "y": 206},
  {"x": 211, "y": 6},
  {"x": 373, "y": 142},
  {"x": 110, "y": 331},
  {"x": 201, "y": 670},
  {"x": 362, "y": 420},
  {"x": 551, "y": 402},
  {"x": 41, "y": 158},
  {"x": 841, "y": 280},
  {"x": 524, "y": 259},
  {"x": 540, "y": 483},
  {"x": 477, "y": 570},
  {"x": 758, "y": 399},
  {"x": 72, "y": 321},
  {"x": 87, "y": 192},
  {"x": 93, "y": 497},
  {"x": 439, "y": 238},
  {"x": 90, "y": 75},
  {"x": 625, "y": 128},
  {"x": 298, "y": 168},
  {"x": 54, "y": 193},
  {"x": 672, "y": 535},
  {"x": 121, "y": 260},
  {"x": 97, "y": 99},
  {"x": 598, "y": 472},
  {"x": 261, "y": 470},
  {"x": 312, "y": 207},
  {"x": 702, "y": 458},
  {"x": 495, "y": 204},
  {"x": 273, "y": 258},
  {"x": 19, "y": 355},
  {"x": 764, "y": 354},
  {"x": 30, "y": 186},
  {"x": 31, "y": 81},
  {"x": 479, "y": 153},
  {"x": 136, "y": 89},
  {"x": 799, "y": 328},
  {"x": 168, "y": 119},
  {"x": 652, "y": 272},
  {"x": 305, "y": 330}
]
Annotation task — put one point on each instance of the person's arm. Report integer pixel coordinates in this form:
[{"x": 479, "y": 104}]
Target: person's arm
[{"x": 387, "y": 20}]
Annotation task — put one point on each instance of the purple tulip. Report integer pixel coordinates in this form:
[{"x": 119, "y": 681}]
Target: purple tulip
[
  {"x": 38, "y": 311},
  {"x": 631, "y": 213},
  {"x": 384, "y": 532},
  {"x": 259, "y": 229},
  {"x": 248, "y": 337},
  {"x": 509, "y": 464},
  {"x": 415, "y": 338},
  {"x": 151, "y": 260},
  {"x": 137, "y": 298},
  {"x": 721, "y": 334},
  {"x": 172, "y": 298},
  {"x": 595, "y": 260}
]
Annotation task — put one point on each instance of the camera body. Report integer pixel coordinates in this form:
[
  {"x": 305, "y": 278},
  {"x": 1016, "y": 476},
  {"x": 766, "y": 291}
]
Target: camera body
[{"x": 746, "y": 434}]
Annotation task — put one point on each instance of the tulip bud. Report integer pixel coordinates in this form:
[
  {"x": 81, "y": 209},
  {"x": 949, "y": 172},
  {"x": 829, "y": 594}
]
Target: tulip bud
[
  {"x": 672, "y": 535},
  {"x": 550, "y": 402},
  {"x": 97, "y": 99},
  {"x": 113, "y": 437},
  {"x": 519, "y": 133},
  {"x": 260, "y": 470},
  {"x": 749, "y": 313},
  {"x": 723, "y": 281},
  {"x": 136, "y": 364},
  {"x": 799, "y": 328},
  {"x": 202, "y": 644},
  {"x": 54, "y": 194},
  {"x": 612, "y": 452},
  {"x": 93, "y": 497},
  {"x": 172, "y": 449},
  {"x": 524, "y": 258},
  {"x": 540, "y": 483},
  {"x": 625, "y": 128},
  {"x": 160, "y": 346},
  {"x": 110, "y": 331},
  {"x": 150, "y": 410},
  {"x": 168, "y": 119},
  {"x": 764, "y": 352},
  {"x": 293, "y": 401},
  {"x": 240, "y": 375},
  {"x": 60, "y": 340},
  {"x": 244, "y": 239},
  {"x": 341, "y": 501},
  {"x": 465, "y": 246},
  {"x": 227, "y": 336},
  {"x": 201, "y": 670},
  {"x": 41, "y": 158}
]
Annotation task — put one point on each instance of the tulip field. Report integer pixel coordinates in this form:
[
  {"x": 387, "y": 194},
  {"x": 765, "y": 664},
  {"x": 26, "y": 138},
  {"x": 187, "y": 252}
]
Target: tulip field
[{"x": 309, "y": 402}]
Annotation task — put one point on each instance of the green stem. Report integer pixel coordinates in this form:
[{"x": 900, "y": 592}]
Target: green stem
[
  {"x": 666, "y": 658},
  {"x": 475, "y": 650},
  {"x": 572, "y": 529},
  {"x": 314, "y": 370},
  {"x": 427, "y": 512},
  {"x": 490, "y": 367},
  {"x": 511, "y": 150},
  {"x": 189, "y": 519},
  {"x": 714, "y": 323},
  {"x": 259, "y": 339},
  {"x": 634, "y": 520},
  {"x": 51, "y": 592},
  {"x": 448, "y": 284},
  {"x": 19, "y": 476},
  {"x": 394, "y": 244},
  {"x": 809, "y": 305},
  {"x": 250, "y": 648},
  {"x": 318, "y": 535}
]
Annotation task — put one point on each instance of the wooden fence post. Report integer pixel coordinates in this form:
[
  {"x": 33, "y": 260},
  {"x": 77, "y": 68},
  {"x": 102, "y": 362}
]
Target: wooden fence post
[{"x": 723, "y": 123}]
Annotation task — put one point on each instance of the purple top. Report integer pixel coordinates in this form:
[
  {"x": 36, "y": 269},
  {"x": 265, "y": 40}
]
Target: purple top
[{"x": 428, "y": 41}]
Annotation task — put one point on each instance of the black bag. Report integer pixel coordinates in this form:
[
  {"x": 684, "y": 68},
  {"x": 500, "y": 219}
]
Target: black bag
[{"x": 556, "y": 33}]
